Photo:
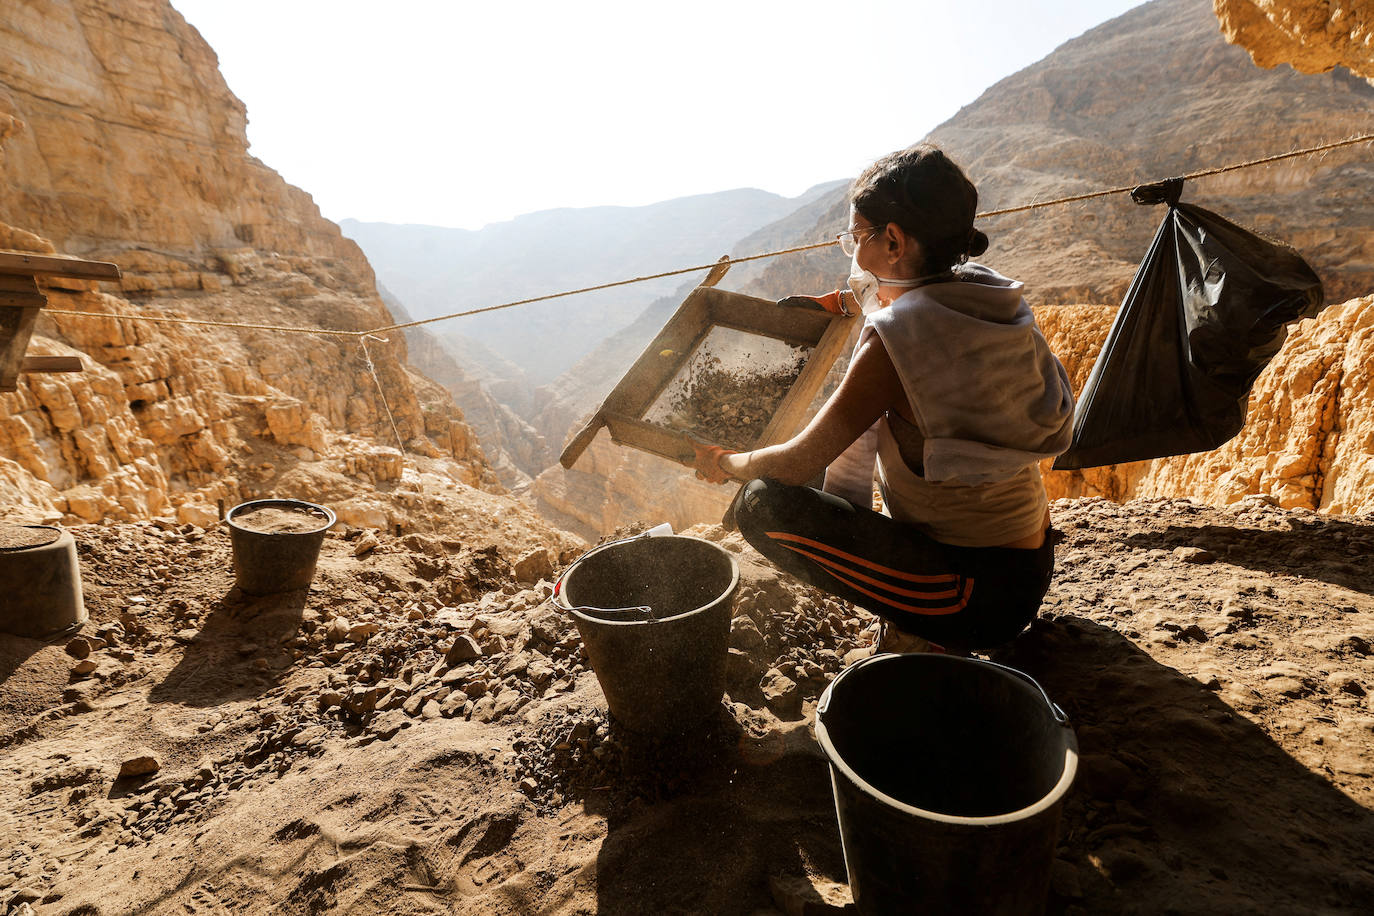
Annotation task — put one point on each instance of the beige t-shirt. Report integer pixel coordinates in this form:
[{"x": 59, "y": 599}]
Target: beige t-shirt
[{"x": 977, "y": 515}]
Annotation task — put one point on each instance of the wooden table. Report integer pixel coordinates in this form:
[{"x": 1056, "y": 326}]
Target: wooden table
[{"x": 20, "y": 301}]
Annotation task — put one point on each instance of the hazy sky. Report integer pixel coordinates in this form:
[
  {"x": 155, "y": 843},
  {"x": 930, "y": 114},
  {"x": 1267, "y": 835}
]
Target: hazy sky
[{"x": 466, "y": 112}]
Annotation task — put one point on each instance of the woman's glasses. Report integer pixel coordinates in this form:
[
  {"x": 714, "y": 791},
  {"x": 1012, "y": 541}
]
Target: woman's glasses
[{"x": 849, "y": 239}]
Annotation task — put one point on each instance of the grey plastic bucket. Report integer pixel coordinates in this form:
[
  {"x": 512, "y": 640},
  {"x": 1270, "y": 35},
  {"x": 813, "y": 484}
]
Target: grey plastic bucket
[
  {"x": 41, "y": 585},
  {"x": 269, "y": 562},
  {"x": 654, "y": 617},
  {"x": 949, "y": 777}
]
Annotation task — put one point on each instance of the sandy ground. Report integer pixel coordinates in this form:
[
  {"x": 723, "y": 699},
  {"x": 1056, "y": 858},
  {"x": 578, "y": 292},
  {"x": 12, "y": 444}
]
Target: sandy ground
[{"x": 420, "y": 734}]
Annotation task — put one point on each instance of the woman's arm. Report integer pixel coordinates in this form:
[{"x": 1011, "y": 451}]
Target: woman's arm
[{"x": 870, "y": 386}]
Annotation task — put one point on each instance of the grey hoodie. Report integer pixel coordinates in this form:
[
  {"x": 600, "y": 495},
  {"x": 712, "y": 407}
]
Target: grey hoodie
[{"x": 988, "y": 395}]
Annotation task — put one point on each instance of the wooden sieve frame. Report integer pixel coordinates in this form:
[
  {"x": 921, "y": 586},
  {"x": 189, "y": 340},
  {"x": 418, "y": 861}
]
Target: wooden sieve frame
[{"x": 624, "y": 409}]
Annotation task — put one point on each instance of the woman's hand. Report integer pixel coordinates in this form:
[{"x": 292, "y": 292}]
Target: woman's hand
[{"x": 706, "y": 461}]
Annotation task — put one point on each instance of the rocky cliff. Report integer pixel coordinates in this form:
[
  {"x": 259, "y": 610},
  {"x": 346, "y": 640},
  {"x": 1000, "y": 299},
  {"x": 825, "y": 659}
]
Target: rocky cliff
[
  {"x": 1308, "y": 440},
  {"x": 1153, "y": 93},
  {"x": 121, "y": 142},
  {"x": 1312, "y": 36}
]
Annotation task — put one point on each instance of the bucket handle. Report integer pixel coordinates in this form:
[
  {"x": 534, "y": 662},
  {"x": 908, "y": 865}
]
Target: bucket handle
[
  {"x": 612, "y": 614},
  {"x": 1059, "y": 717},
  {"x": 1058, "y": 713}
]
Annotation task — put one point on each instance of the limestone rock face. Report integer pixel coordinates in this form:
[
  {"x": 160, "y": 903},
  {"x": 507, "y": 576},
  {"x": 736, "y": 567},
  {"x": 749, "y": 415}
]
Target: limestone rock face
[
  {"x": 1311, "y": 36},
  {"x": 122, "y": 136},
  {"x": 1308, "y": 440},
  {"x": 121, "y": 142}
]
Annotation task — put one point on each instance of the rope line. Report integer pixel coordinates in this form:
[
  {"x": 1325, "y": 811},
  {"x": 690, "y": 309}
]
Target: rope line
[
  {"x": 400, "y": 444},
  {"x": 377, "y": 379},
  {"x": 1204, "y": 173},
  {"x": 724, "y": 262}
]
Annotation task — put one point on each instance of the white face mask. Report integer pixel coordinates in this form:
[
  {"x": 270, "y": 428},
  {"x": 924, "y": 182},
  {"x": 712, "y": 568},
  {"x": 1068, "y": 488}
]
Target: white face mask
[{"x": 865, "y": 283}]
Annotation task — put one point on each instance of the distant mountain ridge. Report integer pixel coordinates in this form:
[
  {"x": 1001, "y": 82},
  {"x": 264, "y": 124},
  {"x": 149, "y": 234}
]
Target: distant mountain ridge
[
  {"x": 1153, "y": 93},
  {"x": 436, "y": 271}
]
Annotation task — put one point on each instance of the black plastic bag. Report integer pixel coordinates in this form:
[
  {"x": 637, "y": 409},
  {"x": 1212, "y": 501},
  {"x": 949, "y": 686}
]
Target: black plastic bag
[{"x": 1205, "y": 313}]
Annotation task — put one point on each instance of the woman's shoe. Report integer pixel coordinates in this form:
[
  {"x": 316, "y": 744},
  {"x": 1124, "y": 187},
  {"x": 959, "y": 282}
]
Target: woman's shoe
[{"x": 891, "y": 639}]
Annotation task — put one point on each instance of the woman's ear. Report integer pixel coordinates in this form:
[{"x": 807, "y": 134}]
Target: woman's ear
[{"x": 898, "y": 247}]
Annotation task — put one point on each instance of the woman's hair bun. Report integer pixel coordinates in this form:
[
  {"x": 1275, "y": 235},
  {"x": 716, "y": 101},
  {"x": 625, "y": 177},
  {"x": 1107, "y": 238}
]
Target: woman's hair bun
[{"x": 977, "y": 242}]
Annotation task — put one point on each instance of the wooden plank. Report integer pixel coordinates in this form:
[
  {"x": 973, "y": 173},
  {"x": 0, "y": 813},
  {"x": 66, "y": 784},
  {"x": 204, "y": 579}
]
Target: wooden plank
[
  {"x": 578, "y": 444},
  {"x": 718, "y": 272},
  {"x": 649, "y": 437},
  {"x": 661, "y": 360},
  {"x": 16, "y": 327},
  {"x": 803, "y": 327},
  {"x": 21, "y": 292},
  {"x": 55, "y": 265},
  {"x": 51, "y": 364},
  {"x": 787, "y": 419}
]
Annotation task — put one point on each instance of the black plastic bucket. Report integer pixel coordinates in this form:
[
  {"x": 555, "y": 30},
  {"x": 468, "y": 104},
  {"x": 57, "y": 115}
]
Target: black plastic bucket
[
  {"x": 949, "y": 776},
  {"x": 281, "y": 561},
  {"x": 654, "y": 616}
]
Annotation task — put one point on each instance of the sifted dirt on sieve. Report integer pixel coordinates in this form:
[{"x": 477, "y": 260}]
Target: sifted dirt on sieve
[{"x": 730, "y": 408}]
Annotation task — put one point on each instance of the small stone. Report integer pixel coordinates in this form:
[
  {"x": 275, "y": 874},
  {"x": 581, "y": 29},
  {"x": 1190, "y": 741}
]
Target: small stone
[
  {"x": 431, "y": 710},
  {"x": 387, "y": 725},
  {"x": 805, "y": 896},
  {"x": 781, "y": 693},
  {"x": 362, "y": 700},
  {"x": 363, "y": 631},
  {"x": 540, "y": 673},
  {"x": 366, "y": 544},
  {"x": 23, "y": 896},
  {"x": 84, "y": 667},
  {"x": 528, "y": 785},
  {"x": 483, "y": 710},
  {"x": 534, "y": 566},
  {"x": 517, "y": 665},
  {"x": 1346, "y": 682},
  {"x": 330, "y": 698},
  {"x": 1194, "y": 555},
  {"x": 464, "y": 649},
  {"x": 549, "y": 627},
  {"x": 507, "y": 702},
  {"x": 80, "y": 647},
  {"x": 141, "y": 763}
]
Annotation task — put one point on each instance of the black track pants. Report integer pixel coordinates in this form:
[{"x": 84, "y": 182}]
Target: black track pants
[{"x": 958, "y": 597}]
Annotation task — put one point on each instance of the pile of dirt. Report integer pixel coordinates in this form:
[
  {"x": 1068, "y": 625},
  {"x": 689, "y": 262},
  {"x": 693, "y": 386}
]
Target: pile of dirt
[{"x": 420, "y": 732}]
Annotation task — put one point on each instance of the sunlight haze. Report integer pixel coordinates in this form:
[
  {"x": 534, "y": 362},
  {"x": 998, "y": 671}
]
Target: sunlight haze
[{"x": 462, "y": 114}]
